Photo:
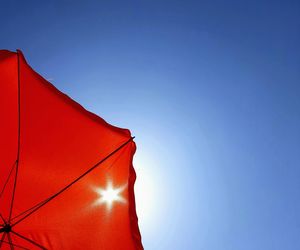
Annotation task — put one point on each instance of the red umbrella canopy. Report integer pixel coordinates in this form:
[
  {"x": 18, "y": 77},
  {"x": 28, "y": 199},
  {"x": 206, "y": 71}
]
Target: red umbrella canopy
[{"x": 66, "y": 176}]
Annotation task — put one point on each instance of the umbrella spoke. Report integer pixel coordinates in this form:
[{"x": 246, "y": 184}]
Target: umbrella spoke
[
  {"x": 10, "y": 242},
  {"x": 28, "y": 210},
  {"x": 8, "y": 177},
  {"x": 41, "y": 204},
  {"x": 29, "y": 240},
  {"x": 19, "y": 140},
  {"x": 2, "y": 239},
  {"x": 6, "y": 242},
  {"x": 2, "y": 218},
  {"x": 14, "y": 190}
]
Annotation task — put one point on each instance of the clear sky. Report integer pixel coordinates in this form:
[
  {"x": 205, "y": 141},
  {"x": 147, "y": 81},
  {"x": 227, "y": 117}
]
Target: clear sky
[{"x": 210, "y": 89}]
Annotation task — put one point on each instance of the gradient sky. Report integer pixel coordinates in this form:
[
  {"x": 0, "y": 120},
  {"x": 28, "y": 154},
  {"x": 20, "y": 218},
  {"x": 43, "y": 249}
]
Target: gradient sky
[{"x": 210, "y": 89}]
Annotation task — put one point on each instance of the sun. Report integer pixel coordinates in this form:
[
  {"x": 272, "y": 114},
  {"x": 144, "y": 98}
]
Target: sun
[{"x": 109, "y": 195}]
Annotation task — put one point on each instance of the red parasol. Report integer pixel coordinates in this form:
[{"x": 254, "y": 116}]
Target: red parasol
[{"x": 66, "y": 176}]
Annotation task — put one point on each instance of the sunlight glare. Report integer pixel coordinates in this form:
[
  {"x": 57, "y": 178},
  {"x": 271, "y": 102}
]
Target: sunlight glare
[{"x": 109, "y": 195}]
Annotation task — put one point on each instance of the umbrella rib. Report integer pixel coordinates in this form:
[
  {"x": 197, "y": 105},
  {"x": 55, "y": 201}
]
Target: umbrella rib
[
  {"x": 113, "y": 163},
  {"x": 19, "y": 139},
  {"x": 6, "y": 242},
  {"x": 8, "y": 177},
  {"x": 2, "y": 218},
  {"x": 10, "y": 242},
  {"x": 2, "y": 239},
  {"x": 39, "y": 204},
  {"x": 36, "y": 207},
  {"x": 24, "y": 212},
  {"x": 29, "y": 240}
]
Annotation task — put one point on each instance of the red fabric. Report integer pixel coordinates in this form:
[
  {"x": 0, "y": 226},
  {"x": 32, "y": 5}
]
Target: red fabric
[{"x": 56, "y": 140}]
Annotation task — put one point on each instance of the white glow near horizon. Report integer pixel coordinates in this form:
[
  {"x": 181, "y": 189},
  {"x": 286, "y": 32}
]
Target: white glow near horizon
[{"x": 148, "y": 199}]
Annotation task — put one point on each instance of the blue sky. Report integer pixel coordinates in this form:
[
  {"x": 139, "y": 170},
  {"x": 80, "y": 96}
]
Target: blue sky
[{"x": 211, "y": 91}]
